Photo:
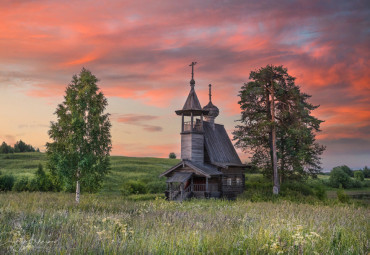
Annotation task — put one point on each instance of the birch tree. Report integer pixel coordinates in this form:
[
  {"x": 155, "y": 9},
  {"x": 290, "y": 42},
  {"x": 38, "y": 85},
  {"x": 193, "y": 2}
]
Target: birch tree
[{"x": 78, "y": 156}]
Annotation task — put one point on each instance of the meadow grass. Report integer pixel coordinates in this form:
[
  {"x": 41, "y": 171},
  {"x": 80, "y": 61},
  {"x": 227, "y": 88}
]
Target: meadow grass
[
  {"x": 52, "y": 223},
  {"x": 122, "y": 169},
  {"x": 107, "y": 222},
  {"x": 21, "y": 164}
]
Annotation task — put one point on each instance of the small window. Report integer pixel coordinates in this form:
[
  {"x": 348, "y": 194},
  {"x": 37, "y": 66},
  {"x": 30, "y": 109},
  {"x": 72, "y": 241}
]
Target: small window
[
  {"x": 229, "y": 181},
  {"x": 238, "y": 181}
]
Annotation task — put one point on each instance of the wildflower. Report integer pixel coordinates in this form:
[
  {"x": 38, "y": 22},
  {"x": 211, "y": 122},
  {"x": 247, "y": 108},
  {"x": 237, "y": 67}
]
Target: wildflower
[{"x": 315, "y": 234}]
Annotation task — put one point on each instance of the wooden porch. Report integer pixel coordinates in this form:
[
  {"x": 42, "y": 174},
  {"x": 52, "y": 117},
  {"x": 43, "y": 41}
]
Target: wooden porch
[{"x": 194, "y": 186}]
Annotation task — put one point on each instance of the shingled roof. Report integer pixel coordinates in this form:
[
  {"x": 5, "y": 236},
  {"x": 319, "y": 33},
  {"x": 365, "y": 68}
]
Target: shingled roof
[
  {"x": 192, "y": 102},
  {"x": 192, "y": 105},
  {"x": 220, "y": 150}
]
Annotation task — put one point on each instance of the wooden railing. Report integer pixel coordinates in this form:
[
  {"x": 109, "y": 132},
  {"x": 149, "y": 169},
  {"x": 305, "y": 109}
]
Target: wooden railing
[
  {"x": 202, "y": 187},
  {"x": 187, "y": 126},
  {"x": 184, "y": 194}
]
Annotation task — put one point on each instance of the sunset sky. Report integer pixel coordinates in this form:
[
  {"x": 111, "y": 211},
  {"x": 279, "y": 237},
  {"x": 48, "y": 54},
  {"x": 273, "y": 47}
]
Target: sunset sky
[{"x": 141, "y": 51}]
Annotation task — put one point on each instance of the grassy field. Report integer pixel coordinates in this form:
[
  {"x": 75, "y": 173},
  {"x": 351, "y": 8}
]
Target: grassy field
[
  {"x": 107, "y": 222},
  {"x": 52, "y": 223},
  {"x": 123, "y": 169}
]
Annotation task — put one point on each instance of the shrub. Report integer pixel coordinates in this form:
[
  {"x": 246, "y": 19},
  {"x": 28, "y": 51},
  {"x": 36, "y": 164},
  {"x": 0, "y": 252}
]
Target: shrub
[
  {"x": 297, "y": 187},
  {"x": 366, "y": 183},
  {"x": 253, "y": 169},
  {"x": 33, "y": 185},
  {"x": 366, "y": 172},
  {"x": 359, "y": 175},
  {"x": 156, "y": 187},
  {"x": 172, "y": 155},
  {"x": 320, "y": 192},
  {"x": 133, "y": 187},
  {"x": 43, "y": 180},
  {"x": 339, "y": 177},
  {"x": 355, "y": 184},
  {"x": 6, "y": 182},
  {"x": 342, "y": 196},
  {"x": 21, "y": 184},
  {"x": 347, "y": 170}
]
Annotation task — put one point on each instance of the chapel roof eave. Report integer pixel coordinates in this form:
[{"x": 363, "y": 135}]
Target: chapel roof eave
[
  {"x": 203, "y": 170},
  {"x": 188, "y": 112},
  {"x": 227, "y": 165}
]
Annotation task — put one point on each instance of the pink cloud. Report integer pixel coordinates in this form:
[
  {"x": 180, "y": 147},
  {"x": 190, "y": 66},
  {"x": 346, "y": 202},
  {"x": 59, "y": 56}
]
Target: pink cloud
[{"x": 141, "y": 50}]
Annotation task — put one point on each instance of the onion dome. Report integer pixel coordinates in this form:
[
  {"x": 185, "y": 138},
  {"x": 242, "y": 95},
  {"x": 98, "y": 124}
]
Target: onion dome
[{"x": 213, "y": 111}]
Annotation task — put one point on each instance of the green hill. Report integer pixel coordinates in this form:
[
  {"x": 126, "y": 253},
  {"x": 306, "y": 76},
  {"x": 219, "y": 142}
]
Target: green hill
[{"x": 122, "y": 169}]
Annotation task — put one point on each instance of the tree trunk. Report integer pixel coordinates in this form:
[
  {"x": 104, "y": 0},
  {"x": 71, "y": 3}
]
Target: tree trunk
[
  {"x": 282, "y": 163},
  {"x": 268, "y": 104},
  {"x": 78, "y": 186},
  {"x": 276, "y": 187},
  {"x": 78, "y": 192}
]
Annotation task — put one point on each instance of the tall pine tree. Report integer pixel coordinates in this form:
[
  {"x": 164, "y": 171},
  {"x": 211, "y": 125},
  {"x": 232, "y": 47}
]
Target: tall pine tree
[
  {"x": 79, "y": 153},
  {"x": 276, "y": 118}
]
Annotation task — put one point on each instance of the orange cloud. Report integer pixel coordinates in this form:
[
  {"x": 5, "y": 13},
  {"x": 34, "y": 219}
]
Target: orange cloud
[{"x": 141, "y": 50}]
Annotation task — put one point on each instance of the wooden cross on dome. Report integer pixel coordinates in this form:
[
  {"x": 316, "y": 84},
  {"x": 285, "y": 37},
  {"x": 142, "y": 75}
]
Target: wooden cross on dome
[{"x": 192, "y": 82}]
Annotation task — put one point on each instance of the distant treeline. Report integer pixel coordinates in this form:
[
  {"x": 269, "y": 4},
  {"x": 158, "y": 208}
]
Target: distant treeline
[{"x": 19, "y": 146}]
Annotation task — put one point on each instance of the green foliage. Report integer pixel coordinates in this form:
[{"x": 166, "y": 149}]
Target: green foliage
[
  {"x": 21, "y": 146},
  {"x": 339, "y": 178},
  {"x": 43, "y": 180},
  {"x": 320, "y": 192},
  {"x": 39, "y": 182},
  {"x": 296, "y": 187},
  {"x": 32, "y": 185},
  {"x": 6, "y": 182},
  {"x": 156, "y": 187},
  {"x": 134, "y": 187},
  {"x": 342, "y": 196},
  {"x": 257, "y": 189},
  {"x": 297, "y": 151},
  {"x": 356, "y": 184},
  {"x": 359, "y": 175},
  {"x": 252, "y": 170},
  {"x": 81, "y": 136},
  {"x": 123, "y": 169},
  {"x": 366, "y": 172},
  {"x": 21, "y": 184},
  {"x": 172, "y": 155},
  {"x": 347, "y": 170},
  {"x": 5, "y": 148}
]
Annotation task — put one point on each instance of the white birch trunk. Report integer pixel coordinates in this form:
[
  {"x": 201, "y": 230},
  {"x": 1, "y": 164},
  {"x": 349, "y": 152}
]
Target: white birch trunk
[{"x": 78, "y": 192}]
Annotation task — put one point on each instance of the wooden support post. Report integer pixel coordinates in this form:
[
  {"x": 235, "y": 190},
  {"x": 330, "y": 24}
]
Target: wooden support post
[
  {"x": 191, "y": 122},
  {"x": 182, "y": 124},
  {"x": 182, "y": 190},
  {"x": 192, "y": 184},
  {"x": 171, "y": 191},
  {"x": 206, "y": 184}
]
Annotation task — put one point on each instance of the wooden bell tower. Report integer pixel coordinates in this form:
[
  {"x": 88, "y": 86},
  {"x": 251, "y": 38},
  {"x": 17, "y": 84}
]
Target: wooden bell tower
[{"x": 192, "y": 132}]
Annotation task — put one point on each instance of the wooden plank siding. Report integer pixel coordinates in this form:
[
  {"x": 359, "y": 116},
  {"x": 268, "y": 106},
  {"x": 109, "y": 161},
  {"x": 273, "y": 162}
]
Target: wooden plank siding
[{"x": 192, "y": 147}]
